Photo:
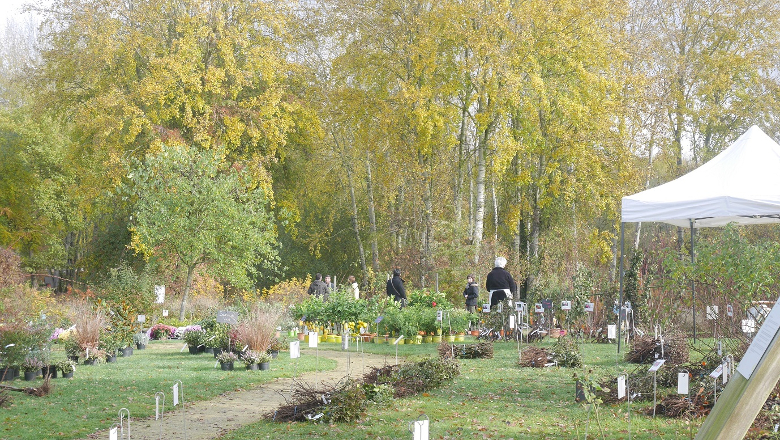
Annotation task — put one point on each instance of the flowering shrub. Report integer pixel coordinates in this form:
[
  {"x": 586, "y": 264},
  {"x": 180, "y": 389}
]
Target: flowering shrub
[
  {"x": 193, "y": 335},
  {"x": 161, "y": 331},
  {"x": 227, "y": 356}
]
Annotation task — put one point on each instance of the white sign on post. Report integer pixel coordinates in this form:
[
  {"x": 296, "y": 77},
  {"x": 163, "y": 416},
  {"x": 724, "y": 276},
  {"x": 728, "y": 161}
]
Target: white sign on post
[
  {"x": 725, "y": 366},
  {"x": 313, "y": 339},
  {"x": 712, "y": 312},
  {"x": 165, "y": 312},
  {"x": 611, "y": 331},
  {"x": 538, "y": 308},
  {"x": 682, "y": 383},
  {"x": 521, "y": 307},
  {"x": 159, "y": 292},
  {"x": 511, "y": 321},
  {"x": 656, "y": 365},
  {"x": 717, "y": 372},
  {"x": 439, "y": 315},
  {"x": 141, "y": 318},
  {"x": 112, "y": 434},
  {"x": 156, "y": 407},
  {"x": 421, "y": 430},
  {"x": 729, "y": 310},
  {"x": 227, "y": 317},
  {"x": 621, "y": 387},
  {"x": 175, "y": 394},
  {"x": 760, "y": 343},
  {"x": 589, "y": 307},
  {"x": 295, "y": 349},
  {"x": 486, "y": 308},
  {"x": 565, "y": 305}
]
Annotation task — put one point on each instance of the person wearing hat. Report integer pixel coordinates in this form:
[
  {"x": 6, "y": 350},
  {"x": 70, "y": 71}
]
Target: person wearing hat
[
  {"x": 500, "y": 283},
  {"x": 471, "y": 293},
  {"x": 395, "y": 287}
]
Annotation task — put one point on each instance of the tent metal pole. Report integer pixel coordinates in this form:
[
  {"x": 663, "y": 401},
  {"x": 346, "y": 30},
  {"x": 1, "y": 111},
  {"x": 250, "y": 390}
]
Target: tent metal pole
[
  {"x": 620, "y": 304},
  {"x": 693, "y": 279}
]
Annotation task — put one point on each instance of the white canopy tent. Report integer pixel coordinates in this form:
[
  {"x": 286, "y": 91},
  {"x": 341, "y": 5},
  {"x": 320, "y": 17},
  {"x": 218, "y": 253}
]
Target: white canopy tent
[{"x": 740, "y": 185}]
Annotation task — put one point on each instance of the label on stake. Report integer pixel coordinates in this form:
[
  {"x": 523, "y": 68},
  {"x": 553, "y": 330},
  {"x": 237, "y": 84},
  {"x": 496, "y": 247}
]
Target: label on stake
[
  {"x": 682, "y": 383},
  {"x": 175, "y": 394},
  {"x": 621, "y": 382}
]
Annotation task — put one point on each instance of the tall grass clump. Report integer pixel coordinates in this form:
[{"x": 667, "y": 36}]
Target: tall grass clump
[{"x": 257, "y": 329}]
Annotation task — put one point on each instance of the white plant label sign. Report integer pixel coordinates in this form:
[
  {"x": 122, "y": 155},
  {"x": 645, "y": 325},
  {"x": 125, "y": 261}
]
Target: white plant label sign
[
  {"x": 589, "y": 307},
  {"x": 511, "y": 321},
  {"x": 612, "y": 331},
  {"x": 141, "y": 318},
  {"x": 712, "y": 312},
  {"x": 112, "y": 434},
  {"x": 175, "y": 394},
  {"x": 538, "y": 308},
  {"x": 295, "y": 349},
  {"x": 165, "y": 312},
  {"x": 439, "y": 315},
  {"x": 656, "y": 365},
  {"x": 159, "y": 292},
  {"x": 682, "y": 383},
  {"x": 486, "y": 308},
  {"x": 565, "y": 305},
  {"x": 717, "y": 372},
  {"x": 729, "y": 310},
  {"x": 156, "y": 407},
  {"x": 313, "y": 339},
  {"x": 421, "y": 430},
  {"x": 621, "y": 382}
]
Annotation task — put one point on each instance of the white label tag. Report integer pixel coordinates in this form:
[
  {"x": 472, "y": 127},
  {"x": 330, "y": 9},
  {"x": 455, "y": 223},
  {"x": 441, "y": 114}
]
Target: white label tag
[
  {"x": 682, "y": 383},
  {"x": 621, "y": 387},
  {"x": 165, "y": 313},
  {"x": 112, "y": 434},
  {"x": 656, "y": 365},
  {"x": 565, "y": 305},
  {"x": 712, "y": 312},
  {"x": 295, "y": 349},
  {"x": 725, "y": 372},
  {"x": 717, "y": 372},
  {"x": 313, "y": 339},
  {"x": 183, "y": 347},
  {"x": 439, "y": 315},
  {"x": 486, "y": 308},
  {"x": 421, "y": 430},
  {"x": 611, "y": 331},
  {"x": 511, "y": 321},
  {"x": 156, "y": 407},
  {"x": 729, "y": 310},
  {"x": 175, "y": 394},
  {"x": 538, "y": 308},
  {"x": 589, "y": 307}
]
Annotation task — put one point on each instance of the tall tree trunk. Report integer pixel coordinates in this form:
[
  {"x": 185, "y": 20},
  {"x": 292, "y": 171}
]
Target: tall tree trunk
[
  {"x": 371, "y": 218},
  {"x": 533, "y": 249},
  {"x": 187, "y": 287},
  {"x": 351, "y": 183},
  {"x": 479, "y": 214},
  {"x": 462, "y": 147}
]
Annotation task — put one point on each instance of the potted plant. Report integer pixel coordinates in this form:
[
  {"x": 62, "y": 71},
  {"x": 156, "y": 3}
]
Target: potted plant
[
  {"x": 194, "y": 339},
  {"x": 72, "y": 349},
  {"x": 264, "y": 360},
  {"x": 67, "y": 367},
  {"x": 109, "y": 344},
  {"x": 140, "y": 340},
  {"x": 32, "y": 367},
  {"x": 94, "y": 356},
  {"x": 226, "y": 359},
  {"x": 277, "y": 345},
  {"x": 251, "y": 359}
]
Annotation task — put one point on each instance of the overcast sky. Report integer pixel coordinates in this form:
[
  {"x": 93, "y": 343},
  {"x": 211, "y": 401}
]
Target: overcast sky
[{"x": 11, "y": 9}]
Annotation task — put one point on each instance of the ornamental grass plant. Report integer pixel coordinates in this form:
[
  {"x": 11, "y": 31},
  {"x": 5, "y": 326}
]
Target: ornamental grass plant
[
  {"x": 258, "y": 327},
  {"x": 89, "y": 322}
]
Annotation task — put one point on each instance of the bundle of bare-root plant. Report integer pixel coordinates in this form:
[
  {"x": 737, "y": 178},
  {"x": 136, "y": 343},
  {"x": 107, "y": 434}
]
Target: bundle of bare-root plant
[
  {"x": 482, "y": 350},
  {"x": 646, "y": 349},
  {"x": 534, "y": 357},
  {"x": 675, "y": 405},
  {"x": 306, "y": 403}
]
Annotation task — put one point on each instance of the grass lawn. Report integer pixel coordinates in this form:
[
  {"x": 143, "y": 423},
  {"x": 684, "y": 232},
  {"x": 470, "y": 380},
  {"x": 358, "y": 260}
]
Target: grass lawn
[
  {"x": 496, "y": 399},
  {"x": 91, "y": 400},
  {"x": 491, "y": 399}
]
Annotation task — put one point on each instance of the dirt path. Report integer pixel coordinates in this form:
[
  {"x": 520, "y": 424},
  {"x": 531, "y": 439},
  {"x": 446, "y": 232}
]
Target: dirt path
[{"x": 212, "y": 418}]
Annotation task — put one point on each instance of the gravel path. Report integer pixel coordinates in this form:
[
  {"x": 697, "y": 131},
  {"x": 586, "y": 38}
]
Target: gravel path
[{"x": 212, "y": 418}]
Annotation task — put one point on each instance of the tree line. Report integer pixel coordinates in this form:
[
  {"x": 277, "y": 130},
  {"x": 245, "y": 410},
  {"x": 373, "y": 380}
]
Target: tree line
[{"x": 431, "y": 136}]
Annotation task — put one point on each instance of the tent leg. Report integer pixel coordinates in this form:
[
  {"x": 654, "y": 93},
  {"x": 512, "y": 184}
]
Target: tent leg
[
  {"x": 620, "y": 304},
  {"x": 693, "y": 279}
]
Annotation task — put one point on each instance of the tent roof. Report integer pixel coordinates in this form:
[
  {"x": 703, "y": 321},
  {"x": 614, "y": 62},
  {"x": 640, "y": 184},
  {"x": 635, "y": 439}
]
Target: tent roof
[{"x": 739, "y": 185}]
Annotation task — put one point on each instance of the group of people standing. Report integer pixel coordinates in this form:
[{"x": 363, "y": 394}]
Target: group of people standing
[
  {"x": 499, "y": 284},
  {"x": 322, "y": 289}
]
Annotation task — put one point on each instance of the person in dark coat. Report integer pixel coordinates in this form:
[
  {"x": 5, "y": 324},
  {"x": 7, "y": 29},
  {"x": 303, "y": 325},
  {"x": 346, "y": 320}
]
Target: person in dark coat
[
  {"x": 499, "y": 281},
  {"x": 319, "y": 288},
  {"x": 471, "y": 293},
  {"x": 395, "y": 288}
]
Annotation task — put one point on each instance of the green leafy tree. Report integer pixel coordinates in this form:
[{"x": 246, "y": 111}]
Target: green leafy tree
[{"x": 195, "y": 207}]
